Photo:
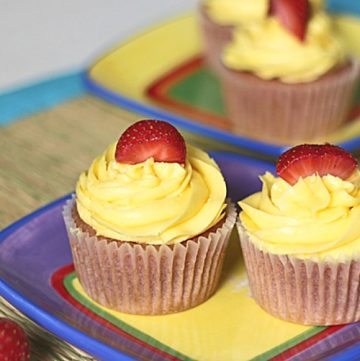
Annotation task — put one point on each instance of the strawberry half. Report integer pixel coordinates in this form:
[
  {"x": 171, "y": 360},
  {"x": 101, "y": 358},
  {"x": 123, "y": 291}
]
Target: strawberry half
[
  {"x": 151, "y": 138},
  {"x": 292, "y": 14},
  {"x": 14, "y": 343},
  {"x": 307, "y": 159}
]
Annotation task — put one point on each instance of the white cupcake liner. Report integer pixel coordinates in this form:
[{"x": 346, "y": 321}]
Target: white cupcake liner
[
  {"x": 214, "y": 37},
  {"x": 302, "y": 291},
  {"x": 147, "y": 279},
  {"x": 288, "y": 113}
]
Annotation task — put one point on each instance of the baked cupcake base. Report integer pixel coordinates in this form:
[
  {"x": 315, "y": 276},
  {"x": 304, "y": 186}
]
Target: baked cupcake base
[
  {"x": 302, "y": 291},
  {"x": 272, "y": 111},
  {"x": 148, "y": 279}
]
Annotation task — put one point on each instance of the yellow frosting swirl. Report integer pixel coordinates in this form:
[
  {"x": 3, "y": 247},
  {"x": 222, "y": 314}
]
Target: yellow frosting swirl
[
  {"x": 151, "y": 202},
  {"x": 270, "y": 51},
  {"x": 234, "y": 12},
  {"x": 317, "y": 218}
]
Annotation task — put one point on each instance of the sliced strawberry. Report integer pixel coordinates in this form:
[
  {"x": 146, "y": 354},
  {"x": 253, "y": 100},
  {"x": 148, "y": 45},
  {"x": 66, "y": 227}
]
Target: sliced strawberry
[
  {"x": 292, "y": 14},
  {"x": 151, "y": 138},
  {"x": 307, "y": 159},
  {"x": 14, "y": 344}
]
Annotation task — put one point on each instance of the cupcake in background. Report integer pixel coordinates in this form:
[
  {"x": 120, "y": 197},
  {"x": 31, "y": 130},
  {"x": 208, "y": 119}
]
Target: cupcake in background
[
  {"x": 218, "y": 18},
  {"x": 288, "y": 79},
  {"x": 149, "y": 225},
  {"x": 300, "y": 237}
]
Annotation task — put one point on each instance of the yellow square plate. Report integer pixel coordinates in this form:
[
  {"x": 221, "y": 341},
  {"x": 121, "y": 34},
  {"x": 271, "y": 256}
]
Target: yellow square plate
[{"x": 160, "y": 74}]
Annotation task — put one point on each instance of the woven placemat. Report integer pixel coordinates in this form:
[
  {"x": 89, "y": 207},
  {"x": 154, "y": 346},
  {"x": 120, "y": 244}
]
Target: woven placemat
[{"x": 41, "y": 157}]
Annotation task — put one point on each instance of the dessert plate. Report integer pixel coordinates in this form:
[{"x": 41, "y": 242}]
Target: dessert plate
[
  {"x": 36, "y": 276},
  {"x": 161, "y": 74}
]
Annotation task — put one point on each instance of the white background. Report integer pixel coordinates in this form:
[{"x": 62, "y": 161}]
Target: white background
[{"x": 41, "y": 38}]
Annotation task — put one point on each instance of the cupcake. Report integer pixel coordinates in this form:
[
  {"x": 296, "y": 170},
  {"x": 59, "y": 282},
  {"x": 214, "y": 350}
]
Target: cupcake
[
  {"x": 149, "y": 224},
  {"x": 288, "y": 79},
  {"x": 218, "y": 18},
  {"x": 300, "y": 237}
]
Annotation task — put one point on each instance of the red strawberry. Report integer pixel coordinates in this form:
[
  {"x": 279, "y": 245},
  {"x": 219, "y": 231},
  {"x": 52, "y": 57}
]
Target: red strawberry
[
  {"x": 14, "y": 344},
  {"x": 307, "y": 159},
  {"x": 151, "y": 138},
  {"x": 292, "y": 14}
]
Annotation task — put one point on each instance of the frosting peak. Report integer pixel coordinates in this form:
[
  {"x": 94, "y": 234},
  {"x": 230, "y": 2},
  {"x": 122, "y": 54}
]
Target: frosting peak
[
  {"x": 151, "y": 202},
  {"x": 316, "y": 218},
  {"x": 271, "y": 52}
]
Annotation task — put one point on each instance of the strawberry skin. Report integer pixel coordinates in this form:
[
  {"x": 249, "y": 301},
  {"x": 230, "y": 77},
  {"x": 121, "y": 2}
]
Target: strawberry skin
[
  {"x": 14, "y": 344},
  {"x": 308, "y": 159},
  {"x": 151, "y": 138},
  {"x": 292, "y": 14}
]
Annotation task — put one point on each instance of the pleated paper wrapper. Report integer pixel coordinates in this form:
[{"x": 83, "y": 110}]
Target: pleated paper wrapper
[
  {"x": 302, "y": 291},
  {"x": 148, "y": 279},
  {"x": 281, "y": 113}
]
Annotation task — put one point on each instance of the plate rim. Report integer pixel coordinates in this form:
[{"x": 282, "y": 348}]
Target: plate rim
[
  {"x": 44, "y": 318},
  {"x": 179, "y": 121}
]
